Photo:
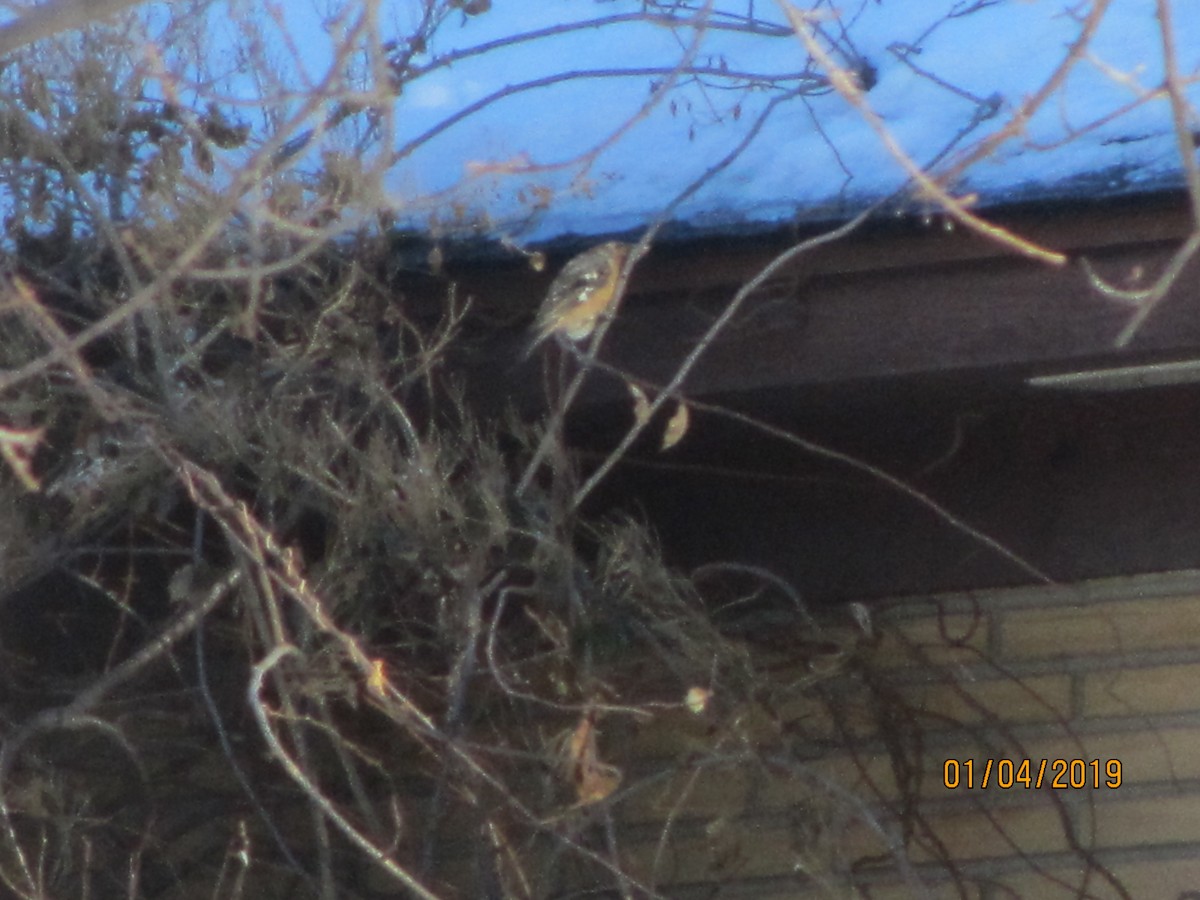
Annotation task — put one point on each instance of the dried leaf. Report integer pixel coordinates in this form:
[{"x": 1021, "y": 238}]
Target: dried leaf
[
  {"x": 641, "y": 404},
  {"x": 697, "y": 699},
  {"x": 593, "y": 779},
  {"x": 597, "y": 784},
  {"x": 676, "y": 428},
  {"x": 377, "y": 680},
  {"x": 17, "y": 447}
]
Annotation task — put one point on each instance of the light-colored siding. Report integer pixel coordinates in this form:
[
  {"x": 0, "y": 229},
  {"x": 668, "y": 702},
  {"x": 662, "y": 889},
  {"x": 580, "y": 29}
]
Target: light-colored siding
[{"x": 766, "y": 803}]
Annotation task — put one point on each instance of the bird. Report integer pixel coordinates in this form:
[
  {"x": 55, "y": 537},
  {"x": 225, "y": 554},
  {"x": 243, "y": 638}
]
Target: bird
[{"x": 582, "y": 293}]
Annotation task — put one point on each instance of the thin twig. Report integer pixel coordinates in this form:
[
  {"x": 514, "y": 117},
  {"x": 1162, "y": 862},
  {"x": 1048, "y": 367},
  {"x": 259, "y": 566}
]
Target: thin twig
[
  {"x": 846, "y": 84},
  {"x": 671, "y": 389}
]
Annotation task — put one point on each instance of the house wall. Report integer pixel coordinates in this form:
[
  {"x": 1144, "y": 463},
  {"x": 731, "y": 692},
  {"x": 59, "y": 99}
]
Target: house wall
[
  {"x": 838, "y": 791},
  {"x": 912, "y": 356},
  {"x": 1077, "y": 485}
]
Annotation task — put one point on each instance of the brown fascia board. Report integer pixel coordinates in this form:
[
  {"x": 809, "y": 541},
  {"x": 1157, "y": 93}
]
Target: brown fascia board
[
  {"x": 903, "y": 297},
  {"x": 897, "y": 301},
  {"x": 909, "y": 240},
  {"x": 689, "y": 261}
]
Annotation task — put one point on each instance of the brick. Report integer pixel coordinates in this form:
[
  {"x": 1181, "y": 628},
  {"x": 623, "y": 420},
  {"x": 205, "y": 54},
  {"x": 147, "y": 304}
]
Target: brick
[
  {"x": 997, "y": 831},
  {"x": 1105, "y": 628},
  {"x": 709, "y": 792},
  {"x": 954, "y": 638},
  {"x": 738, "y": 789},
  {"x": 742, "y": 825},
  {"x": 934, "y": 890},
  {"x": 1167, "y": 879},
  {"x": 810, "y": 841},
  {"x": 1042, "y": 698},
  {"x": 1141, "y": 692},
  {"x": 1146, "y": 755},
  {"x": 1146, "y": 821}
]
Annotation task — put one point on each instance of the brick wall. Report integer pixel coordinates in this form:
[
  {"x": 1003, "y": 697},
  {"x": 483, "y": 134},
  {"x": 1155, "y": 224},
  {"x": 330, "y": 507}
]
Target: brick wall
[{"x": 833, "y": 784}]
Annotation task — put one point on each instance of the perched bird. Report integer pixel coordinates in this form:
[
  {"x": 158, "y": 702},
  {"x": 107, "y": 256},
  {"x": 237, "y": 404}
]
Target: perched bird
[{"x": 582, "y": 293}]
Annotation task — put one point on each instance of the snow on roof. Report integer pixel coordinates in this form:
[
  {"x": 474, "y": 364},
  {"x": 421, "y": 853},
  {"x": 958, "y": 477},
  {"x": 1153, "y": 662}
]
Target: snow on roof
[{"x": 582, "y": 151}]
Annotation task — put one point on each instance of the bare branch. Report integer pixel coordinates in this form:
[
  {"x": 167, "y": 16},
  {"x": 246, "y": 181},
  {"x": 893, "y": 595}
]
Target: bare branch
[{"x": 56, "y": 16}]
